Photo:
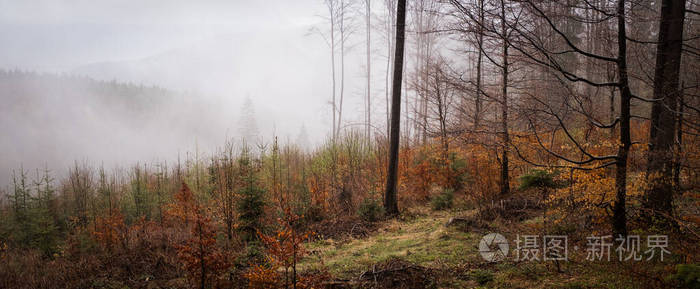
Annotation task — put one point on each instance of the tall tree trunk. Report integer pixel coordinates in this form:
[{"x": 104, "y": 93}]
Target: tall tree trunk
[
  {"x": 619, "y": 211},
  {"x": 389, "y": 45},
  {"x": 440, "y": 98},
  {"x": 424, "y": 101},
  {"x": 342, "y": 65},
  {"x": 390, "y": 199},
  {"x": 418, "y": 25},
  {"x": 589, "y": 47},
  {"x": 368, "y": 104},
  {"x": 406, "y": 115},
  {"x": 662, "y": 132},
  {"x": 505, "y": 185},
  {"x": 480, "y": 44},
  {"x": 331, "y": 10}
]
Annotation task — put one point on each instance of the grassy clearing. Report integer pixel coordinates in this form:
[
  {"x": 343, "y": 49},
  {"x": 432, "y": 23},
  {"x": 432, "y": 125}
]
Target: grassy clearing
[{"x": 423, "y": 239}]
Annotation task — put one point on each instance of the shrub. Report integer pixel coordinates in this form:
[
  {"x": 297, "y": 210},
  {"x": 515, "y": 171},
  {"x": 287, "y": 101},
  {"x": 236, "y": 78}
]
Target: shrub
[
  {"x": 252, "y": 253},
  {"x": 261, "y": 276},
  {"x": 687, "y": 275},
  {"x": 458, "y": 172},
  {"x": 313, "y": 214},
  {"x": 538, "y": 179},
  {"x": 370, "y": 210},
  {"x": 443, "y": 200}
]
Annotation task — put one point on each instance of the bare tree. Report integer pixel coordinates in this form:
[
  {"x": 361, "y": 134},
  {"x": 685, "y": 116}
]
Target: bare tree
[
  {"x": 345, "y": 30},
  {"x": 332, "y": 6},
  {"x": 80, "y": 185},
  {"x": 390, "y": 21},
  {"x": 620, "y": 82},
  {"x": 662, "y": 132},
  {"x": 542, "y": 41},
  {"x": 480, "y": 47},
  {"x": 499, "y": 31},
  {"x": 368, "y": 99},
  {"x": 619, "y": 209},
  {"x": 505, "y": 183},
  {"x": 440, "y": 99},
  {"x": 424, "y": 21},
  {"x": 390, "y": 199},
  {"x": 224, "y": 178}
]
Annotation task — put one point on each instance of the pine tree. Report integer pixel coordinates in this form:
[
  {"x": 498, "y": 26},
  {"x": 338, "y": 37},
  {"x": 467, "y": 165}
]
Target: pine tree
[
  {"x": 248, "y": 125},
  {"x": 139, "y": 193},
  {"x": 251, "y": 203},
  {"x": 42, "y": 218},
  {"x": 19, "y": 201}
]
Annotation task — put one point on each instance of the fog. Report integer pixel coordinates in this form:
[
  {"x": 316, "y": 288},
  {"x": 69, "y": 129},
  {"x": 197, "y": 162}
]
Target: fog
[{"x": 207, "y": 57}]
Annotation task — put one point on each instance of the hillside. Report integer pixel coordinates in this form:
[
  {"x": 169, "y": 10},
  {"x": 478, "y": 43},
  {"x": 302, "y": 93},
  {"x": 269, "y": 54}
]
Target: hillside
[{"x": 57, "y": 119}]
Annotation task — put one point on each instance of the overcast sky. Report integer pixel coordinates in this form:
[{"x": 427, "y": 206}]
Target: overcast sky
[
  {"x": 56, "y": 34},
  {"x": 220, "y": 51}
]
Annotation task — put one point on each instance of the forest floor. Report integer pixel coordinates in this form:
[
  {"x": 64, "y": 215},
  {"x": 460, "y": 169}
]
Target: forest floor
[{"x": 419, "y": 250}]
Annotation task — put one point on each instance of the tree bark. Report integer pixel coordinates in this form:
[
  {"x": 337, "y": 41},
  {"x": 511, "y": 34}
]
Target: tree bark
[
  {"x": 505, "y": 185},
  {"x": 479, "y": 42},
  {"x": 619, "y": 212},
  {"x": 679, "y": 145},
  {"x": 390, "y": 199},
  {"x": 662, "y": 132}
]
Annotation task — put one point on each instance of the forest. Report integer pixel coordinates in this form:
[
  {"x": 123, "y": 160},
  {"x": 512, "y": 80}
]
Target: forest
[{"x": 496, "y": 144}]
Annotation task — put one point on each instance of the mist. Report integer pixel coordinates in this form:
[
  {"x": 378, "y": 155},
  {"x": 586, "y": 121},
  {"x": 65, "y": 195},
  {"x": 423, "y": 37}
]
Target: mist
[{"x": 196, "y": 61}]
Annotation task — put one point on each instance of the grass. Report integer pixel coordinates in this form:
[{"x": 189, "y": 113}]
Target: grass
[{"x": 423, "y": 238}]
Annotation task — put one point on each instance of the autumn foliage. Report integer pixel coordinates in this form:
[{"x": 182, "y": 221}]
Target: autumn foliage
[
  {"x": 111, "y": 231},
  {"x": 199, "y": 254},
  {"x": 284, "y": 249}
]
